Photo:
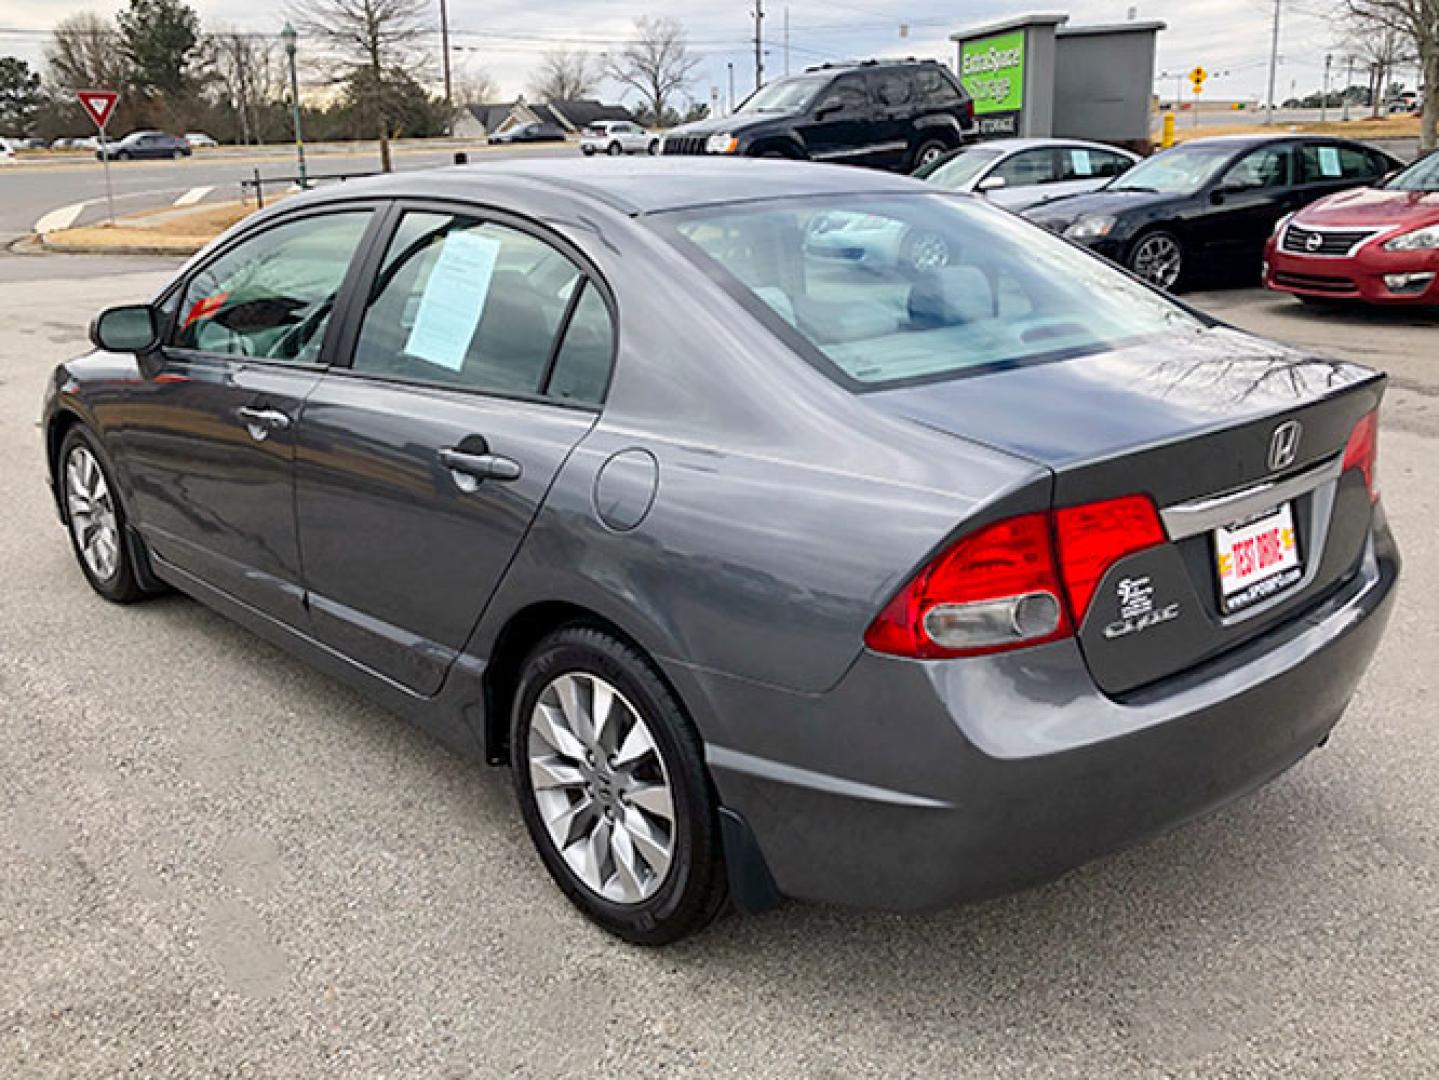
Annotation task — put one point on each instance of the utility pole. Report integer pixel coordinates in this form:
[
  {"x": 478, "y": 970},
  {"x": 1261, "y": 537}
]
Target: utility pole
[
  {"x": 445, "y": 48},
  {"x": 1348, "y": 82},
  {"x": 786, "y": 39},
  {"x": 289, "y": 37},
  {"x": 1324, "y": 98},
  {"x": 730, "y": 65},
  {"x": 758, "y": 43},
  {"x": 1273, "y": 65}
]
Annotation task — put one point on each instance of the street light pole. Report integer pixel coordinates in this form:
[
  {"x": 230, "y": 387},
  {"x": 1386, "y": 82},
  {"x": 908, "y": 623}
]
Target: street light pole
[
  {"x": 445, "y": 48},
  {"x": 1273, "y": 66},
  {"x": 288, "y": 36},
  {"x": 1324, "y": 98}
]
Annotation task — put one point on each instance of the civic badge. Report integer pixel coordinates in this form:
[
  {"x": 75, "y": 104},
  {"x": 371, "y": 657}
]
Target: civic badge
[
  {"x": 1137, "y": 608},
  {"x": 1284, "y": 445}
]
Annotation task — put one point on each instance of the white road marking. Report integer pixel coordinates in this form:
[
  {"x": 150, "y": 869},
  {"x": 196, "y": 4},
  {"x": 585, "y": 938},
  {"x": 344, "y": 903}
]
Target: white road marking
[
  {"x": 194, "y": 195},
  {"x": 59, "y": 219}
]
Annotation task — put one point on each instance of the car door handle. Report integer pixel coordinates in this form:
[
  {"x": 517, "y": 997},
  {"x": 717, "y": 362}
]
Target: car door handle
[
  {"x": 262, "y": 421},
  {"x": 484, "y": 466}
]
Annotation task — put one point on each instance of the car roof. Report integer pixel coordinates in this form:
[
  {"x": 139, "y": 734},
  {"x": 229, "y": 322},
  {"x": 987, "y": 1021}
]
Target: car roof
[
  {"x": 642, "y": 185},
  {"x": 1241, "y": 141},
  {"x": 1011, "y": 145}
]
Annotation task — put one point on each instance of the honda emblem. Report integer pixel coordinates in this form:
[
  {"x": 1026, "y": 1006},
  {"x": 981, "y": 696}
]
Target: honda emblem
[{"x": 1284, "y": 445}]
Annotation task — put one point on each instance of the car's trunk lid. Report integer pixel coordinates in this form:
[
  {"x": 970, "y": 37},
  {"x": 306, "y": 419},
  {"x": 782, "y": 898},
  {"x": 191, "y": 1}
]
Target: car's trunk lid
[{"x": 1192, "y": 425}]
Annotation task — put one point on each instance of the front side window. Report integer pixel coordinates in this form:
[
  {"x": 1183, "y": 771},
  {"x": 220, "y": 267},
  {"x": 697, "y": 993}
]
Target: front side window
[
  {"x": 1027, "y": 167},
  {"x": 1260, "y": 169},
  {"x": 883, "y": 290},
  {"x": 847, "y": 95},
  {"x": 469, "y": 303},
  {"x": 271, "y": 296}
]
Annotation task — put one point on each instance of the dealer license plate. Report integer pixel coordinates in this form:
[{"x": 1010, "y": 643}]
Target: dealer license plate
[{"x": 1256, "y": 559}]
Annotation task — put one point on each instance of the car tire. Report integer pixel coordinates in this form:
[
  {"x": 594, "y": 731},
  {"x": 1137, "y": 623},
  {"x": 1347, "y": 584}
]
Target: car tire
[
  {"x": 653, "y": 880},
  {"x": 123, "y": 155},
  {"x": 1158, "y": 257},
  {"x": 94, "y": 518},
  {"x": 615, "y": 149},
  {"x": 588, "y": 151},
  {"x": 927, "y": 151},
  {"x": 654, "y": 147}
]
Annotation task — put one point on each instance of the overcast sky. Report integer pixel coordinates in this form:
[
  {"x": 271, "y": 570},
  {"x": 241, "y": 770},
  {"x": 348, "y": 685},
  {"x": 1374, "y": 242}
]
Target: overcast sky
[{"x": 507, "y": 40}]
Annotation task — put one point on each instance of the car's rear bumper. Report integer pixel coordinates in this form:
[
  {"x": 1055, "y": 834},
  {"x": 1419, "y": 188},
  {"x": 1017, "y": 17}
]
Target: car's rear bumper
[
  {"x": 1361, "y": 276},
  {"x": 916, "y": 785}
]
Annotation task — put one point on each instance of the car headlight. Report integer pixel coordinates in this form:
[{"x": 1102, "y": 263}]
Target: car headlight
[
  {"x": 721, "y": 144},
  {"x": 1285, "y": 220},
  {"x": 1425, "y": 239},
  {"x": 1090, "y": 227}
]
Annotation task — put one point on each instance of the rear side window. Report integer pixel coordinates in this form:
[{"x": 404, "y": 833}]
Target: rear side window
[
  {"x": 271, "y": 296},
  {"x": 582, "y": 366},
  {"x": 1086, "y": 163},
  {"x": 933, "y": 88},
  {"x": 470, "y": 303},
  {"x": 1326, "y": 164}
]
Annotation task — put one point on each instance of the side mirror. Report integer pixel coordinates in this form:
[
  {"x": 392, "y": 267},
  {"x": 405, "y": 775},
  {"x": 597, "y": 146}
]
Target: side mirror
[
  {"x": 991, "y": 183},
  {"x": 1383, "y": 181},
  {"x": 130, "y": 329},
  {"x": 828, "y": 108}
]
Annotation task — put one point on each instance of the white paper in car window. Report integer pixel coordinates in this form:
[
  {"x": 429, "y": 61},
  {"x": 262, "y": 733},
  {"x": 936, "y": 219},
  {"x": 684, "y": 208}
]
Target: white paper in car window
[
  {"x": 1329, "y": 161},
  {"x": 453, "y": 300},
  {"x": 1082, "y": 165}
]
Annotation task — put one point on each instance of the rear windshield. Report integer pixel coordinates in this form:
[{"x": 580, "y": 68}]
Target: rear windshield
[{"x": 879, "y": 291}]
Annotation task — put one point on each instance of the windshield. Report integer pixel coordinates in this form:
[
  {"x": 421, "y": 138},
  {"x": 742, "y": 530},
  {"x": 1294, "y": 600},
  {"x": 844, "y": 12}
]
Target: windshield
[
  {"x": 1423, "y": 175},
  {"x": 954, "y": 173},
  {"x": 878, "y": 291},
  {"x": 1181, "y": 171},
  {"x": 787, "y": 95}
]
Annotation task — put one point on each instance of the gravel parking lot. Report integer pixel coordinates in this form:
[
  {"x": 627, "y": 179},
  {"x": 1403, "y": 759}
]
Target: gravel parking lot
[{"x": 216, "y": 862}]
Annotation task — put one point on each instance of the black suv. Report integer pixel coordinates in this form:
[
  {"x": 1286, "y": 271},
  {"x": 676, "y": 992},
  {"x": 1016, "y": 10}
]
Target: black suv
[{"x": 896, "y": 114}]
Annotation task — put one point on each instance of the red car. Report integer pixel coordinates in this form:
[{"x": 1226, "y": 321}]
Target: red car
[{"x": 1377, "y": 244}]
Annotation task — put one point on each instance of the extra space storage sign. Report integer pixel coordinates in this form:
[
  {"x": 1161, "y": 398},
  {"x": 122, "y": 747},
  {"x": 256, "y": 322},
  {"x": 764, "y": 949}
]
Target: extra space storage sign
[{"x": 992, "y": 70}]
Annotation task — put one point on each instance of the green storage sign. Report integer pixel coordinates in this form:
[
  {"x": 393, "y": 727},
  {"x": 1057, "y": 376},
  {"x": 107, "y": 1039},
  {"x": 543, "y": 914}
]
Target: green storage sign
[{"x": 992, "y": 70}]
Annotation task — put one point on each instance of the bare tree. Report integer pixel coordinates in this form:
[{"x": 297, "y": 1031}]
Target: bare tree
[
  {"x": 85, "y": 54},
  {"x": 475, "y": 87},
  {"x": 367, "y": 42},
  {"x": 657, "y": 64},
  {"x": 564, "y": 76},
  {"x": 1417, "y": 22},
  {"x": 247, "y": 74}
]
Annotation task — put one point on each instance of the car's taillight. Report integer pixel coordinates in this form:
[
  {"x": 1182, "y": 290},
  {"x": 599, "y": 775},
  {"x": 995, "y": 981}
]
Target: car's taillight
[
  {"x": 1004, "y": 586},
  {"x": 1362, "y": 452},
  {"x": 1093, "y": 537}
]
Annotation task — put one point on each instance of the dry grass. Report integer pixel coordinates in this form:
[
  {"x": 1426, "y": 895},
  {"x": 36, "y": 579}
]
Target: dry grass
[{"x": 1385, "y": 127}]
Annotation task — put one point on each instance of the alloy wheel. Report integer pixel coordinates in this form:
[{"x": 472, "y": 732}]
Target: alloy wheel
[
  {"x": 601, "y": 787},
  {"x": 1158, "y": 260},
  {"x": 930, "y": 154},
  {"x": 92, "y": 513}
]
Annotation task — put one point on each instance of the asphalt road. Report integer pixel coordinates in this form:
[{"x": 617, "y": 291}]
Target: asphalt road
[
  {"x": 215, "y": 862},
  {"x": 29, "y": 191}
]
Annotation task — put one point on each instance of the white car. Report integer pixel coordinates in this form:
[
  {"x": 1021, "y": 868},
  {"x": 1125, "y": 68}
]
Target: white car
[
  {"x": 199, "y": 140},
  {"x": 618, "y": 137},
  {"x": 1021, "y": 173}
]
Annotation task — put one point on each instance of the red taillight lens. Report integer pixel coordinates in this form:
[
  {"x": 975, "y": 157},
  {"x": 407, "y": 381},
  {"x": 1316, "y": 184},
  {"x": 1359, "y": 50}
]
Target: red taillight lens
[
  {"x": 1362, "y": 452},
  {"x": 985, "y": 593},
  {"x": 1093, "y": 537},
  {"x": 1000, "y": 588}
]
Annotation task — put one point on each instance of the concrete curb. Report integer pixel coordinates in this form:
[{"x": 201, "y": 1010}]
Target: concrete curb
[{"x": 169, "y": 248}]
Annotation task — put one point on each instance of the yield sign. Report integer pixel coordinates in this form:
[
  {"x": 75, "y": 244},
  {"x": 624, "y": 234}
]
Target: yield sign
[{"x": 100, "y": 104}]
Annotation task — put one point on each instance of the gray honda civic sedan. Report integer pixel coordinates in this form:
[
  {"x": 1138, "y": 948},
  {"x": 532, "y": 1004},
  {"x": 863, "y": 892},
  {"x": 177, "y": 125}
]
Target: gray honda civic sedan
[{"x": 769, "y": 569}]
